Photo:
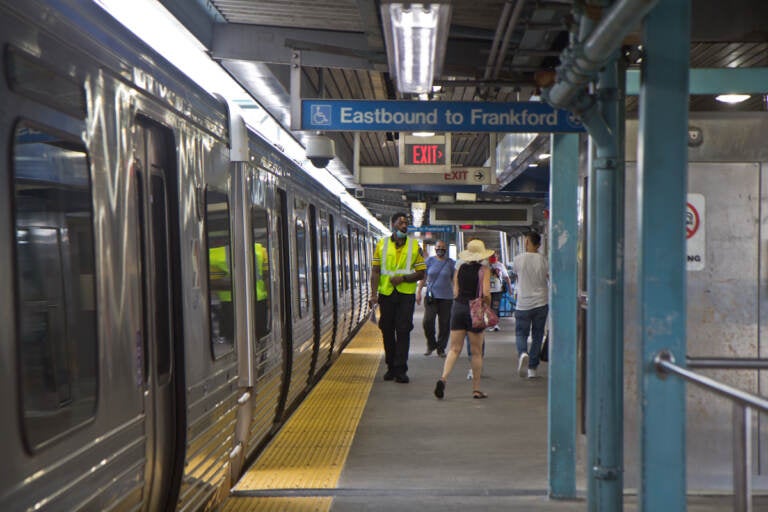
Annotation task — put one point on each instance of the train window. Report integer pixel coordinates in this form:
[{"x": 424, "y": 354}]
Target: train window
[
  {"x": 32, "y": 78},
  {"x": 324, "y": 262},
  {"x": 222, "y": 312},
  {"x": 56, "y": 332},
  {"x": 301, "y": 266},
  {"x": 262, "y": 275}
]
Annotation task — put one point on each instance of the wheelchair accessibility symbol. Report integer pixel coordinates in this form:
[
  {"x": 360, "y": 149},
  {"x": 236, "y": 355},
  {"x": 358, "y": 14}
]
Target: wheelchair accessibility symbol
[{"x": 321, "y": 115}]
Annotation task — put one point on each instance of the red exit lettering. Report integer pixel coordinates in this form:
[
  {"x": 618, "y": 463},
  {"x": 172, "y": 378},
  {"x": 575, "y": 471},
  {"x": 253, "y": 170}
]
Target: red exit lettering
[
  {"x": 455, "y": 175},
  {"x": 425, "y": 154}
]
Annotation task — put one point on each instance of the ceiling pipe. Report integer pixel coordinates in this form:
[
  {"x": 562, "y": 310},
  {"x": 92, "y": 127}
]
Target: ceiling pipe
[
  {"x": 582, "y": 61},
  {"x": 513, "y": 19},
  {"x": 497, "y": 40}
]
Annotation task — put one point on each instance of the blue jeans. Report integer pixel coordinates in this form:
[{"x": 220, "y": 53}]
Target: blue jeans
[{"x": 531, "y": 321}]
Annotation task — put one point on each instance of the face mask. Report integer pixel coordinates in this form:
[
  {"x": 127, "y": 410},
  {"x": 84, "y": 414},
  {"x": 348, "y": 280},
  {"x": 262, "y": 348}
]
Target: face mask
[
  {"x": 400, "y": 234},
  {"x": 440, "y": 252}
]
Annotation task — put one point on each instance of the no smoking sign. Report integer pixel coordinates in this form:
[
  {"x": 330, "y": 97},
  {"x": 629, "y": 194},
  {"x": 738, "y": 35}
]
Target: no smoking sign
[{"x": 695, "y": 232}]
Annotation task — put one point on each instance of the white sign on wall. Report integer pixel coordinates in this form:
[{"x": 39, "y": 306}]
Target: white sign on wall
[{"x": 695, "y": 239}]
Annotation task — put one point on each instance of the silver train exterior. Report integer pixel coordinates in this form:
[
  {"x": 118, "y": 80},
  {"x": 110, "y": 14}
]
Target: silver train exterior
[{"x": 173, "y": 284}]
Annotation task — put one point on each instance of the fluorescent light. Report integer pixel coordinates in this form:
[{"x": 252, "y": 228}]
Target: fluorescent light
[
  {"x": 416, "y": 36},
  {"x": 423, "y": 134},
  {"x": 466, "y": 196},
  {"x": 732, "y": 98},
  {"x": 544, "y": 156}
]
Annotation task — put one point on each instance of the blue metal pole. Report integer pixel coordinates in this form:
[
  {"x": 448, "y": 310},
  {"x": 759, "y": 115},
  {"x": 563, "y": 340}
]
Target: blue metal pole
[
  {"x": 563, "y": 191},
  {"x": 605, "y": 405},
  {"x": 662, "y": 167}
]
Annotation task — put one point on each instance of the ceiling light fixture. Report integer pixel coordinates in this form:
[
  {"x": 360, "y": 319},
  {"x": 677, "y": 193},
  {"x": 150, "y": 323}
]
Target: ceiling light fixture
[
  {"x": 732, "y": 98},
  {"x": 423, "y": 134},
  {"x": 415, "y": 36}
]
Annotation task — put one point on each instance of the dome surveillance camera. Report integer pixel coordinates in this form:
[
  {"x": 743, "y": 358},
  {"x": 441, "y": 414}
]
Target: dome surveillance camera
[{"x": 320, "y": 150}]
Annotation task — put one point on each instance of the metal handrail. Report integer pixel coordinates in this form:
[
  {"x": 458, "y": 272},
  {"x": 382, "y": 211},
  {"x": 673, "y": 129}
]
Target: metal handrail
[
  {"x": 664, "y": 362},
  {"x": 727, "y": 363}
]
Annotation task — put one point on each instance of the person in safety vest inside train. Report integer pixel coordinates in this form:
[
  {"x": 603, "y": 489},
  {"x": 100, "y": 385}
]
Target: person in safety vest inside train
[
  {"x": 260, "y": 253},
  {"x": 396, "y": 268},
  {"x": 222, "y": 312}
]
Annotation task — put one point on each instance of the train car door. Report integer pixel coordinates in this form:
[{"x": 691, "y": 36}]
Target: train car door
[
  {"x": 157, "y": 206},
  {"x": 282, "y": 267}
]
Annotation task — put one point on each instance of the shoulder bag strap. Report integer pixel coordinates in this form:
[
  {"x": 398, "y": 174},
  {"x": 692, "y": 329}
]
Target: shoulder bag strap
[{"x": 480, "y": 282}]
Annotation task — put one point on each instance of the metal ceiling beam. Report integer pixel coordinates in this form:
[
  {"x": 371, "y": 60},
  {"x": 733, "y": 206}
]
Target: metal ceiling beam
[
  {"x": 198, "y": 16},
  {"x": 715, "y": 81},
  {"x": 320, "y": 48},
  {"x": 371, "y": 25},
  {"x": 520, "y": 164}
]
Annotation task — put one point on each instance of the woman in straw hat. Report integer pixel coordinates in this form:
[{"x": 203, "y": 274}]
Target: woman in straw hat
[{"x": 465, "y": 282}]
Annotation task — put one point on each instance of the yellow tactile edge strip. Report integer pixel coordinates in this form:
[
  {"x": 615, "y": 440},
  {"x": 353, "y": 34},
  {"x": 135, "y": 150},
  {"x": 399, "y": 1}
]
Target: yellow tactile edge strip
[{"x": 310, "y": 450}]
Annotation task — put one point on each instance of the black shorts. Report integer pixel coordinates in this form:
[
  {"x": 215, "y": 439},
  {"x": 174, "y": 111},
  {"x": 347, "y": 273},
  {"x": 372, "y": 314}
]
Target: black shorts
[{"x": 461, "y": 319}]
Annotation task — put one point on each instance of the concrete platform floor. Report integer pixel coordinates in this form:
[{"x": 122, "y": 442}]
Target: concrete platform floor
[{"x": 413, "y": 452}]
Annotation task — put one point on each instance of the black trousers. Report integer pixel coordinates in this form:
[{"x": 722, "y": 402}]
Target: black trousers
[
  {"x": 396, "y": 324},
  {"x": 440, "y": 308}
]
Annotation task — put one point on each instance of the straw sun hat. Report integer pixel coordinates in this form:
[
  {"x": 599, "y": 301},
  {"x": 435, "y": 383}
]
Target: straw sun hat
[{"x": 475, "y": 251}]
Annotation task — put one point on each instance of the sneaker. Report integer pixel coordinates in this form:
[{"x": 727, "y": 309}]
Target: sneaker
[
  {"x": 522, "y": 364},
  {"x": 469, "y": 374},
  {"x": 441, "y": 353},
  {"x": 532, "y": 373}
]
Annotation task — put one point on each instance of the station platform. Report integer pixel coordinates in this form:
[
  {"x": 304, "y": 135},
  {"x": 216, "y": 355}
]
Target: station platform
[{"x": 358, "y": 443}]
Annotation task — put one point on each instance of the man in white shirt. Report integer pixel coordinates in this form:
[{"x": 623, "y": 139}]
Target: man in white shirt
[{"x": 532, "y": 303}]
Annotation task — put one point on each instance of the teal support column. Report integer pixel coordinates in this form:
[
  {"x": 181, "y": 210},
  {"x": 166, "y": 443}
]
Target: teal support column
[
  {"x": 662, "y": 166},
  {"x": 605, "y": 401},
  {"x": 563, "y": 292}
]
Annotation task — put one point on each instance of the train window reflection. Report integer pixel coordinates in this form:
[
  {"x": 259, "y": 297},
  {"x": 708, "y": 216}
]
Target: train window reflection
[
  {"x": 324, "y": 262},
  {"x": 222, "y": 312},
  {"x": 262, "y": 274},
  {"x": 301, "y": 266},
  {"x": 55, "y": 284}
]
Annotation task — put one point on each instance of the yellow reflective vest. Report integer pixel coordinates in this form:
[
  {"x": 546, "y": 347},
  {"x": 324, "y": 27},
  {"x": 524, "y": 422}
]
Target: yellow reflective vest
[
  {"x": 396, "y": 262},
  {"x": 219, "y": 269}
]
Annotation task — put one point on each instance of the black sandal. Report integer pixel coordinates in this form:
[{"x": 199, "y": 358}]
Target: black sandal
[
  {"x": 479, "y": 394},
  {"x": 440, "y": 389}
]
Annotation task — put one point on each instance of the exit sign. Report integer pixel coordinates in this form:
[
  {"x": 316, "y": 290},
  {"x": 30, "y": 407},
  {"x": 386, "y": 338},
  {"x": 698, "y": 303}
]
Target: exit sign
[{"x": 425, "y": 154}]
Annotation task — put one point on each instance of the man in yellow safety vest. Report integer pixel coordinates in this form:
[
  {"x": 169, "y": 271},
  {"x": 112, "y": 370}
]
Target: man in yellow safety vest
[{"x": 396, "y": 268}]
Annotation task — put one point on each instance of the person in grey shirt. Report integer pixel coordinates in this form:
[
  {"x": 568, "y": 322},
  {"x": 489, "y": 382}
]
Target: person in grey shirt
[
  {"x": 438, "y": 299},
  {"x": 532, "y": 304}
]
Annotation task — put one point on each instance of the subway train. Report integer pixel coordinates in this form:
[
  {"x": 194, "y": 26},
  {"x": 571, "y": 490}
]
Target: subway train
[{"x": 173, "y": 283}]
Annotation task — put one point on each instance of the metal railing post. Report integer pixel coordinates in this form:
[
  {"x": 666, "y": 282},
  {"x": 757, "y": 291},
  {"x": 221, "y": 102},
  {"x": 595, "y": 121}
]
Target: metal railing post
[{"x": 742, "y": 458}]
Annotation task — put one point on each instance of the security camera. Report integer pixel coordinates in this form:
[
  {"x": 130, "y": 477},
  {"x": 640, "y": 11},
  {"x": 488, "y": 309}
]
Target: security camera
[{"x": 320, "y": 150}]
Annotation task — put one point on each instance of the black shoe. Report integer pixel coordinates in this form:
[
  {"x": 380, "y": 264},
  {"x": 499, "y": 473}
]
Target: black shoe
[
  {"x": 429, "y": 352},
  {"x": 441, "y": 353},
  {"x": 402, "y": 379},
  {"x": 440, "y": 389},
  {"x": 389, "y": 376}
]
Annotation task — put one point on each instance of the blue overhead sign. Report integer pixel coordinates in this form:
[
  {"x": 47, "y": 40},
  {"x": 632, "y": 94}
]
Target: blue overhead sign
[
  {"x": 430, "y": 229},
  {"x": 436, "y": 116}
]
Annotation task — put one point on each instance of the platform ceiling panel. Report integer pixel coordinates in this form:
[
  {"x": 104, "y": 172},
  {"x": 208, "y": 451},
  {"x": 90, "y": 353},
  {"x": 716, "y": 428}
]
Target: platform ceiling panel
[{"x": 341, "y": 15}]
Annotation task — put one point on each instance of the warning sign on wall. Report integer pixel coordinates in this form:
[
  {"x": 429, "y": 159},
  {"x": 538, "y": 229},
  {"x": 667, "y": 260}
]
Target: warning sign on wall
[{"x": 695, "y": 232}]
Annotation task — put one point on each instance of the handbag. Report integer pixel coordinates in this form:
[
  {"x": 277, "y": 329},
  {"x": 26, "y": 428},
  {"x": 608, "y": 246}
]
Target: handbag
[{"x": 482, "y": 314}]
